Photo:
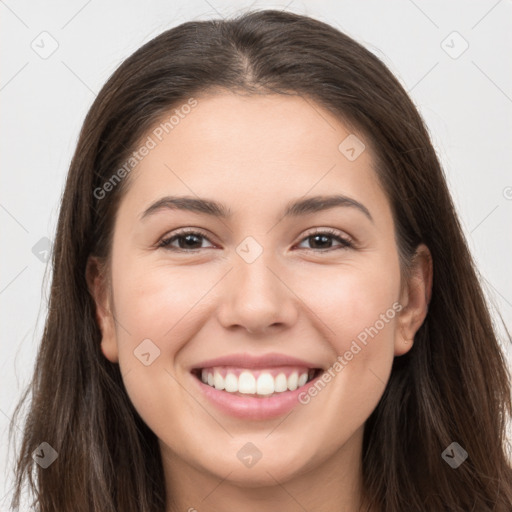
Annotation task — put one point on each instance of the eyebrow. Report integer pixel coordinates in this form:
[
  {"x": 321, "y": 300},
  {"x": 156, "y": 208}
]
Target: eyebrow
[{"x": 213, "y": 208}]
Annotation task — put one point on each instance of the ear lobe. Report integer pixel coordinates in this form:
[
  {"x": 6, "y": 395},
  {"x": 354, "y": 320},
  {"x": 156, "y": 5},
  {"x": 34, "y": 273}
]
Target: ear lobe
[
  {"x": 415, "y": 300},
  {"x": 98, "y": 288}
]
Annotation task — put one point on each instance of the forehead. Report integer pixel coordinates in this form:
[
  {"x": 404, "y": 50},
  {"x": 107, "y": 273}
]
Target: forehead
[{"x": 258, "y": 148}]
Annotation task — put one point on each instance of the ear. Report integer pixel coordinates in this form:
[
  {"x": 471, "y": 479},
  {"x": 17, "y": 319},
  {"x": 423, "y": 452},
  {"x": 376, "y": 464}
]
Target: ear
[
  {"x": 415, "y": 298},
  {"x": 96, "y": 278}
]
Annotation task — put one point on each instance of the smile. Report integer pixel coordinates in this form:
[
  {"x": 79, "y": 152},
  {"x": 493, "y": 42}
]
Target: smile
[
  {"x": 256, "y": 383},
  {"x": 254, "y": 386}
]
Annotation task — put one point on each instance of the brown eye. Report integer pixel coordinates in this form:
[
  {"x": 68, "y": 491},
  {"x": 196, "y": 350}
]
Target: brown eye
[
  {"x": 322, "y": 240},
  {"x": 187, "y": 241}
]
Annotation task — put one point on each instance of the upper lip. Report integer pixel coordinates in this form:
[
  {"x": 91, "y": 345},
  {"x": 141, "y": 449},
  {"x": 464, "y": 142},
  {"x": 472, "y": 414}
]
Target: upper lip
[{"x": 254, "y": 361}]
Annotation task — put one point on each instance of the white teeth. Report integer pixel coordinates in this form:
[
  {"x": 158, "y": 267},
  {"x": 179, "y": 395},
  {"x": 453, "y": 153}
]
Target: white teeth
[
  {"x": 281, "y": 384},
  {"x": 265, "y": 384},
  {"x": 246, "y": 383},
  {"x": 218, "y": 380},
  {"x": 293, "y": 380},
  {"x": 231, "y": 383}
]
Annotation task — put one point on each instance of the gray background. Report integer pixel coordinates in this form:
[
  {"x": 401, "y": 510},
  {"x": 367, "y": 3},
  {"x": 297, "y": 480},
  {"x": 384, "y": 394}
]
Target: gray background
[{"x": 465, "y": 96}]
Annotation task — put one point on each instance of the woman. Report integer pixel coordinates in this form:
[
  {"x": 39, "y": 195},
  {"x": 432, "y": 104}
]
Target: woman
[{"x": 329, "y": 348}]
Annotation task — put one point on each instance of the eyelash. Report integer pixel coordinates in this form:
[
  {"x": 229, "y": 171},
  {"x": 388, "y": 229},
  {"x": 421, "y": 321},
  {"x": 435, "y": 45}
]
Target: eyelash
[{"x": 346, "y": 243}]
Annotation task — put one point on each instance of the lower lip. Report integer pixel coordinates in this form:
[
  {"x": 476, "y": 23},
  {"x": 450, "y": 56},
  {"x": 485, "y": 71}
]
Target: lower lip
[{"x": 252, "y": 408}]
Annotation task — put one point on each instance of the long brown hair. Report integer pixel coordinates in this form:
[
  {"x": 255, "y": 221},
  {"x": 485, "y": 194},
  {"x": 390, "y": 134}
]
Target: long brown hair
[{"x": 452, "y": 386}]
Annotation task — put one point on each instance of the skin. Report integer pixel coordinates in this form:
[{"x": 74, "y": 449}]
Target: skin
[{"x": 254, "y": 154}]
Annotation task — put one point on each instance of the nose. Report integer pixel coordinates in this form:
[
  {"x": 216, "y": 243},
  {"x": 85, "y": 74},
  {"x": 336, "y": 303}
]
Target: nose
[{"x": 256, "y": 298}]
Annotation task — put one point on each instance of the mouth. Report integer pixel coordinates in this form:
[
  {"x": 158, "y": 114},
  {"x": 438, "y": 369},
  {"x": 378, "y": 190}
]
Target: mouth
[
  {"x": 256, "y": 383},
  {"x": 255, "y": 387}
]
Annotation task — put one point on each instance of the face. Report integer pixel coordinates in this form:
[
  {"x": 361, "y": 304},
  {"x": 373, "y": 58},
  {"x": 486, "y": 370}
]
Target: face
[{"x": 318, "y": 284}]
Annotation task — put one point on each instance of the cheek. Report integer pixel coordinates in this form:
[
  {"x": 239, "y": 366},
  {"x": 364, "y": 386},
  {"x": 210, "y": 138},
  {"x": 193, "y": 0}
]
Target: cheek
[
  {"x": 161, "y": 303},
  {"x": 357, "y": 313},
  {"x": 356, "y": 308},
  {"x": 152, "y": 300}
]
